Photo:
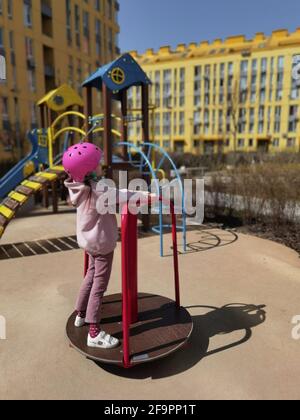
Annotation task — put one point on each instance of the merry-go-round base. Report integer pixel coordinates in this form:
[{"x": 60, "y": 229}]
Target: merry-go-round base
[{"x": 162, "y": 329}]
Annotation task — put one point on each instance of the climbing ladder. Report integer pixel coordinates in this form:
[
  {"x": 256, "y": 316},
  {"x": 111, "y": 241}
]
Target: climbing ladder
[{"x": 22, "y": 193}]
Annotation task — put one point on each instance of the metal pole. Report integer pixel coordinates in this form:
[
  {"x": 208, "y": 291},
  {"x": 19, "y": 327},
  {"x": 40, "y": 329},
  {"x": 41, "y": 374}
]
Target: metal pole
[
  {"x": 175, "y": 256},
  {"x": 107, "y": 131}
]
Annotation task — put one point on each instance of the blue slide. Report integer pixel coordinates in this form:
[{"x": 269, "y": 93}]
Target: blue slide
[{"x": 16, "y": 175}]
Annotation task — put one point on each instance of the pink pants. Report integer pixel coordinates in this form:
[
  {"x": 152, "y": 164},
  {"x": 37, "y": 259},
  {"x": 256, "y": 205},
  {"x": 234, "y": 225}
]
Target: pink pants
[{"x": 94, "y": 286}]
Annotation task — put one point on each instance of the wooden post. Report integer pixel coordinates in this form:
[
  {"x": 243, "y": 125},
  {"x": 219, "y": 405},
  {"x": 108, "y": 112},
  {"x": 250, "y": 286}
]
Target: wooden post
[
  {"x": 124, "y": 107},
  {"x": 46, "y": 196},
  {"x": 107, "y": 98},
  {"x": 88, "y": 111},
  {"x": 145, "y": 130}
]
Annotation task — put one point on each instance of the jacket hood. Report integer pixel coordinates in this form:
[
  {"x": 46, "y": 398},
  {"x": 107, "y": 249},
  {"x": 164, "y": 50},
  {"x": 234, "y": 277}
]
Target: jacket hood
[{"x": 78, "y": 191}]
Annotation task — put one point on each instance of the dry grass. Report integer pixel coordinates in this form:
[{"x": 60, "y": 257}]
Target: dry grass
[{"x": 266, "y": 195}]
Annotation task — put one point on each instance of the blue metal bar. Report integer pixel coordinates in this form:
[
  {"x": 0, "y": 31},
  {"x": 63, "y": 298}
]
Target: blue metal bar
[
  {"x": 161, "y": 229},
  {"x": 167, "y": 156},
  {"x": 145, "y": 161},
  {"x": 160, "y": 163}
]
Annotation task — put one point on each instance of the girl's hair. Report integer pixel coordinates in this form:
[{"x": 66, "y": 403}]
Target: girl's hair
[{"x": 89, "y": 178}]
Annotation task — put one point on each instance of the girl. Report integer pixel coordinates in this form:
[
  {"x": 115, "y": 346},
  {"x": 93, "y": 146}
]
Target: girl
[{"x": 96, "y": 234}]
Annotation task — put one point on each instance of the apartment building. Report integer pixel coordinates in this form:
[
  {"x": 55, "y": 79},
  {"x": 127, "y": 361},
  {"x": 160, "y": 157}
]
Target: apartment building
[
  {"x": 47, "y": 43},
  {"x": 234, "y": 95}
]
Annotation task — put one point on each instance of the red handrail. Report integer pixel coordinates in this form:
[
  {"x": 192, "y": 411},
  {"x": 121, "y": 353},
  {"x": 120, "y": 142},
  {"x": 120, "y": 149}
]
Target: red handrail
[{"x": 129, "y": 274}]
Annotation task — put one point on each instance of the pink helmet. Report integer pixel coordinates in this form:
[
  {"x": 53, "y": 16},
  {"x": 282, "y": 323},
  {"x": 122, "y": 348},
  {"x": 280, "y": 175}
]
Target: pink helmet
[{"x": 81, "y": 159}]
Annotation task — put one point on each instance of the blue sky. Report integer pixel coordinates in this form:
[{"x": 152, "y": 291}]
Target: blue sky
[{"x": 152, "y": 23}]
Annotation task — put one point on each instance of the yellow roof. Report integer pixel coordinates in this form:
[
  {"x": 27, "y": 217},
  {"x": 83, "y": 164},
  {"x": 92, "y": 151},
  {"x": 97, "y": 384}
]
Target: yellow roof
[{"x": 61, "y": 98}]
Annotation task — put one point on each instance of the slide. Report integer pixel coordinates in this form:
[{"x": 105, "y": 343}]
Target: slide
[{"x": 22, "y": 170}]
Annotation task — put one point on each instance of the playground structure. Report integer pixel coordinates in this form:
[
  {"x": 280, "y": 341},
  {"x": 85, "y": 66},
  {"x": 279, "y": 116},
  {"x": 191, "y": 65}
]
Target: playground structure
[
  {"x": 37, "y": 171},
  {"x": 74, "y": 119}
]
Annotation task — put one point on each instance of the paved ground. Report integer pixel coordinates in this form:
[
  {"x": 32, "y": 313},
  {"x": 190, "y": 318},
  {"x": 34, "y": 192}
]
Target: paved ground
[{"x": 238, "y": 350}]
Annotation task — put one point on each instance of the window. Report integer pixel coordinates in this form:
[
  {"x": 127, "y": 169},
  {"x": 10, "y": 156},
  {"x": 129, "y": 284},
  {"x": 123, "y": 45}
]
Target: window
[
  {"x": 251, "y": 142},
  {"x": 197, "y": 122},
  {"x": 251, "y": 120},
  {"x": 197, "y": 85},
  {"x": 206, "y": 121},
  {"x": 276, "y": 142},
  {"x": 157, "y": 124},
  {"x": 5, "y": 116},
  {"x": 29, "y": 48},
  {"x": 166, "y": 123},
  {"x": 181, "y": 123},
  {"x": 68, "y": 22},
  {"x": 33, "y": 115},
  {"x": 293, "y": 118},
  {"x": 1, "y": 38},
  {"x": 71, "y": 71},
  {"x": 110, "y": 9},
  {"x": 157, "y": 88},
  {"x": 175, "y": 123},
  {"x": 27, "y": 13},
  {"x": 11, "y": 40},
  {"x": 167, "y": 88},
  {"x": 31, "y": 79},
  {"x": 261, "y": 119},
  {"x": 280, "y": 76},
  {"x": 175, "y": 87},
  {"x": 291, "y": 142},
  {"x": 182, "y": 88},
  {"x": 98, "y": 5},
  {"x": 10, "y": 9},
  {"x": 241, "y": 143},
  {"x": 271, "y": 79},
  {"x": 77, "y": 25},
  {"x": 220, "y": 123},
  {"x": 86, "y": 31},
  {"x": 242, "y": 120},
  {"x": 98, "y": 37},
  {"x": 277, "y": 123}
]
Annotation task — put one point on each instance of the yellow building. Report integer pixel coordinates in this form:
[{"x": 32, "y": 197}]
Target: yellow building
[
  {"x": 233, "y": 95},
  {"x": 48, "y": 43}
]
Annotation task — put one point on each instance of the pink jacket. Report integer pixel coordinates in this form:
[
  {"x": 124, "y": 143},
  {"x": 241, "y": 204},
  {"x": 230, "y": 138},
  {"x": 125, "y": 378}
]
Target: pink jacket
[{"x": 96, "y": 234}]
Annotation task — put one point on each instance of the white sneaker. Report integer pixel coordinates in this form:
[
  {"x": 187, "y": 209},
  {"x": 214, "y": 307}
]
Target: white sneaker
[
  {"x": 79, "y": 322},
  {"x": 103, "y": 341}
]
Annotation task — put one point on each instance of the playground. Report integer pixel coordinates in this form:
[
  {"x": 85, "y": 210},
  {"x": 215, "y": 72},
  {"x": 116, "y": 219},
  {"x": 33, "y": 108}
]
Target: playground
[
  {"x": 224, "y": 332},
  {"x": 241, "y": 292}
]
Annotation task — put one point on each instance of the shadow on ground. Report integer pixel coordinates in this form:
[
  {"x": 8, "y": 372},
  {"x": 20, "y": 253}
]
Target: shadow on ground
[{"x": 216, "y": 322}]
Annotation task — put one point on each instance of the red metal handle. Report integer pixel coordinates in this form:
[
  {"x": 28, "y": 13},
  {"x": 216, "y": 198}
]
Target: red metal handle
[{"x": 129, "y": 273}]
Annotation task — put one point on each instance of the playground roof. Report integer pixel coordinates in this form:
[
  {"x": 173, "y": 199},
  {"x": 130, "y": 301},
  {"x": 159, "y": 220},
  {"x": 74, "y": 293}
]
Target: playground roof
[
  {"x": 118, "y": 75},
  {"x": 61, "y": 98}
]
